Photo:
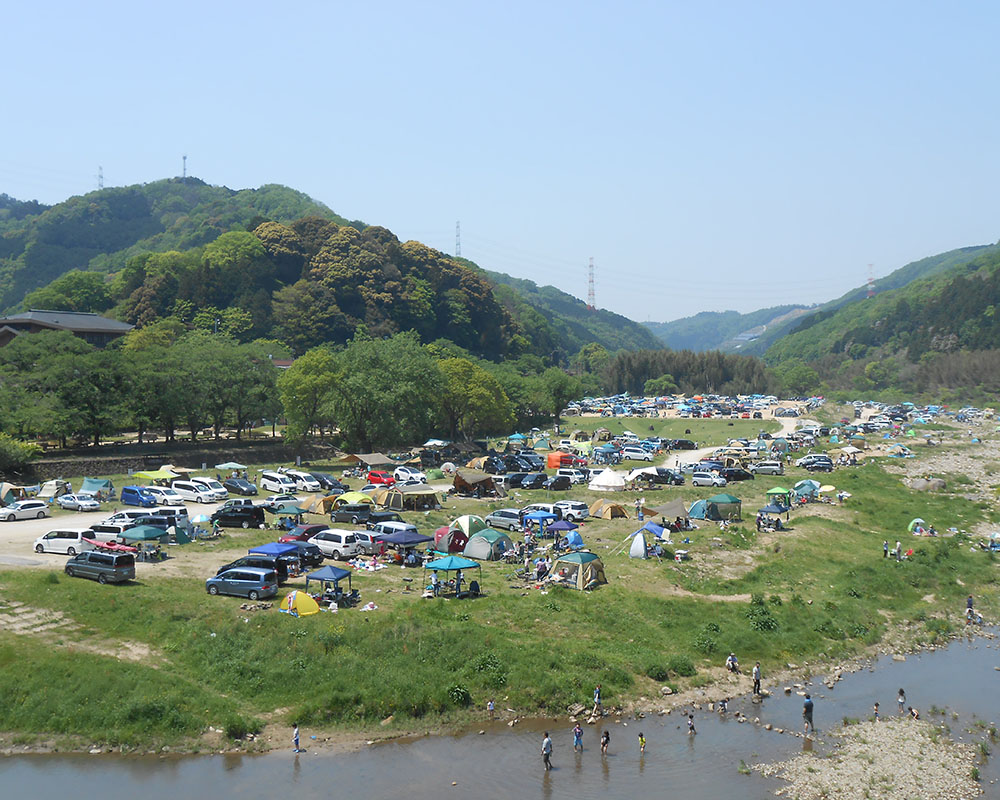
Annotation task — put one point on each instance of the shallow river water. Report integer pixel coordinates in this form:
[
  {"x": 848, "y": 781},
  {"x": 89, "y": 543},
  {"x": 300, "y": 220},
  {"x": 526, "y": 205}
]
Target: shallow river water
[{"x": 505, "y": 762}]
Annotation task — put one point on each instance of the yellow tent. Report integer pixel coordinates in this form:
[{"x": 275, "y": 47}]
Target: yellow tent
[
  {"x": 161, "y": 474},
  {"x": 299, "y": 604},
  {"x": 352, "y": 497},
  {"x": 603, "y": 509},
  {"x": 476, "y": 463}
]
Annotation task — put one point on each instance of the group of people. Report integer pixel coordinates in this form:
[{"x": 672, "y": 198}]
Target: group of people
[
  {"x": 765, "y": 522},
  {"x": 896, "y": 552}
]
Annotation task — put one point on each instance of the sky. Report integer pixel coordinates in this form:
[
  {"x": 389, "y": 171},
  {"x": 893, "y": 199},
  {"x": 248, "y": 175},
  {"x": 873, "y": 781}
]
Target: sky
[{"x": 707, "y": 156}]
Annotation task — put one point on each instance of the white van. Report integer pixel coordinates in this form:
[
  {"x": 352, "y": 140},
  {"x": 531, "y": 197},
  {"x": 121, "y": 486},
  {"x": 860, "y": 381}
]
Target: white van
[
  {"x": 304, "y": 481},
  {"x": 165, "y": 496},
  {"x": 271, "y": 481},
  {"x": 336, "y": 544},
  {"x": 574, "y": 475},
  {"x": 68, "y": 540},
  {"x": 217, "y": 490},
  {"x": 177, "y": 514},
  {"x": 193, "y": 492}
]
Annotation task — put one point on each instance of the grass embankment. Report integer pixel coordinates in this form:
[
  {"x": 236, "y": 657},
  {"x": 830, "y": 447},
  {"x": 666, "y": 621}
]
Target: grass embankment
[{"x": 821, "y": 589}]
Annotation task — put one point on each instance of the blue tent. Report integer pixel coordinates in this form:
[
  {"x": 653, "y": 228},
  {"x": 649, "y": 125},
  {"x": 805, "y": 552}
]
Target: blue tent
[
  {"x": 275, "y": 549},
  {"x": 652, "y": 528},
  {"x": 404, "y": 538},
  {"x": 698, "y": 510},
  {"x": 773, "y": 508},
  {"x": 329, "y": 574},
  {"x": 517, "y": 436},
  {"x": 574, "y": 540}
]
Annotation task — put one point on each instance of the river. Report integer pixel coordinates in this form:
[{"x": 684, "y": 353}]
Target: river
[{"x": 505, "y": 763}]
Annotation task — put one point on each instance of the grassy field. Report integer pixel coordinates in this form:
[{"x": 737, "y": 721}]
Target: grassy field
[{"x": 819, "y": 591}]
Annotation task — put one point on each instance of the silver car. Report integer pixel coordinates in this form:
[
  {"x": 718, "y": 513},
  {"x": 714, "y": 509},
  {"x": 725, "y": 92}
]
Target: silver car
[
  {"x": 24, "y": 509},
  {"x": 78, "y": 502}
]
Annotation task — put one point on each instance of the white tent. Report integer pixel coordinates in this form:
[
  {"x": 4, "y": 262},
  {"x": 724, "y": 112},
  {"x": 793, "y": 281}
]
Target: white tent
[
  {"x": 608, "y": 481},
  {"x": 641, "y": 471},
  {"x": 638, "y": 547}
]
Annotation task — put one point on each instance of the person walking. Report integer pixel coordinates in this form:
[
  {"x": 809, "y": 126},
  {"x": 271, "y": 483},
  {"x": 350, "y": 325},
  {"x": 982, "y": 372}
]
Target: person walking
[
  {"x": 969, "y": 603},
  {"x": 491, "y": 708},
  {"x": 691, "y": 730},
  {"x": 878, "y": 717},
  {"x": 295, "y": 738},
  {"x": 547, "y": 751},
  {"x": 885, "y": 548},
  {"x": 901, "y": 700},
  {"x": 899, "y": 551},
  {"x": 807, "y": 715},
  {"x": 605, "y": 741},
  {"x": 756, "y": 678},
  {"x": 578, "y": 738},
  {"x": 642, "y": 743},
  {"x": 597, "y": 702}
]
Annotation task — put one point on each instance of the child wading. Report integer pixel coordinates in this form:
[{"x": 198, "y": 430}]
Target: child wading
[
  {"x": 605, "y": 741},
  {"x": 642, "y": 743},
  {"x": 578, "y": 738},
  {"x": 295, "y": 738}
]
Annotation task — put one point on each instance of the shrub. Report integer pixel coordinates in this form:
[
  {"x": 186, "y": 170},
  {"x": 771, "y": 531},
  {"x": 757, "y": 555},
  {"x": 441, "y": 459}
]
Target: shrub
[
  {"x": 681, "y": 665},
  {"x": 52, "y": 577},
  {"x": 657, "y": 672},
  {"x": 460, "y": 696},
  {"x": 238, "y": 727},
  {"x": 15, "y": 454}
]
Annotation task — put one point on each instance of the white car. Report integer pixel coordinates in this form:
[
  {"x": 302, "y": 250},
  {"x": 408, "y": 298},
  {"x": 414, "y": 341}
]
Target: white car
[
  {"x": 402, "y": 474},
  {"x": 24, "y": 509},
  {"x": 707, "y": 479},
  {"x": 69, "y": 541},
  {"x": 636, "y": 454},
  {"x": 336, "y": 544},
  {"x": 165, "y": 496},
  {"x": 304, "y": 481},
  {"x": 573, "y": 510},
  {"x": 215, "y": 489},
  {"x": 78, "y": 502},
  {"x": 194, "y": 492},
  {"x": 277, "y": 482}
]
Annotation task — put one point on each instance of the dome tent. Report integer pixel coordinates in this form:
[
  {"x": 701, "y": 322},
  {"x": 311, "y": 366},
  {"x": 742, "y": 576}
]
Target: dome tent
[
  {"x": 488, "y": 545},
  {"x": 581, "y": 570}
]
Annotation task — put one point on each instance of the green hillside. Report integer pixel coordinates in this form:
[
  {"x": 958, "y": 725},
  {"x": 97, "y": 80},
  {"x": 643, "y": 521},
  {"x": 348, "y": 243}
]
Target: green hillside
[
  {"x": 713, "y": 330},
  {"x": 103, "y": 229}
]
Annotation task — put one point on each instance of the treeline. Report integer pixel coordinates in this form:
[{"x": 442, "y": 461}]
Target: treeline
[{"x": 689, "y": 372}]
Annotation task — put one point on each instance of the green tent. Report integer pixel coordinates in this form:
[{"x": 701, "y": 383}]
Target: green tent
[
  {"x": 581, "y": 570},
  {"x": 724, "y": 506},
  {"x": 95, "y": 485},
  {"x": 145, "y": 533},
  {"x": 488, "y": 545}
]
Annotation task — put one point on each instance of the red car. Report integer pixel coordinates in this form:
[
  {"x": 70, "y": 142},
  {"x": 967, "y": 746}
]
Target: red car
[
  {"x": 380, "y": 476},
  {"x": 302, "y": 533}
]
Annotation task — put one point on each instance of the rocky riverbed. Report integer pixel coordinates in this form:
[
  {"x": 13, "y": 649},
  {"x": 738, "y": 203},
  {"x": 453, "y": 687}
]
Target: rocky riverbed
[{"x": 896, "y": 759}]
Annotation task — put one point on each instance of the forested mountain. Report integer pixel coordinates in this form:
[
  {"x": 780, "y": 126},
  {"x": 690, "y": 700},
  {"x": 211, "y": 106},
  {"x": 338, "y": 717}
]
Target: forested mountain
[
  {"x": 717, "y": 330},
  {"x": 103, "y": 229},
  {"x": 570, "y": 323}
]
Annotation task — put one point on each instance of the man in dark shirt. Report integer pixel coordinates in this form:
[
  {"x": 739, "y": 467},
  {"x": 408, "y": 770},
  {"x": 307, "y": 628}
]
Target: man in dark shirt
[{"x": 807, "y": 715}]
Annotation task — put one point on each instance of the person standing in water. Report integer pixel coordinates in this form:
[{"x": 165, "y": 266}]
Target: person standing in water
[
  {"x": 901, "y": 700},
  {"x": 605, "y": 741},
  {"x": 756, "y": 678},
  {"x": 642, "y": 743},
  {"x": 295, "y": 738},
  {"x": 547, "y": 751},
  {"x": 578, "y": 738},
  {"x": 807, "y": 716},
  {"x": 691, "y": 730}
]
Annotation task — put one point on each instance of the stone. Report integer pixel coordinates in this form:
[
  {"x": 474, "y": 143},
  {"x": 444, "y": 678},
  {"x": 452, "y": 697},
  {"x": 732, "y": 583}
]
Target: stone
[
  {"x": 95, "y": 751},
  {"x": 788, "y": 690},
  {"x": 898, "y": 657},
  {"x": 768, "y": 727},
  {"x": 666, "y": 690},
  {"x": 482, "y": 733}
]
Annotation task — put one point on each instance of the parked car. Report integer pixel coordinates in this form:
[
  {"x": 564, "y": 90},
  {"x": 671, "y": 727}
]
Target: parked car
[
  {"x": 534, "y": 480},
  {"x": 380, "y": 477},
  {"x": 66, "y": 540},
  {"x": 572, "y": 510},
  {"x": 239, "y": 486},
  {"x": 707, "y": 479},
  {"x": 636, "y": 453},
  {"x": 514, "y": 479},
  {"x": 109, "y": 531},
  {"x": 558, "y": 483},
  {"x": 385, "y": 528},
  {"x": 309, "y": 554},
  {"x": 24, "y": 509},
  {"x": 493, "y": 465},
  {"x": 768, "y": 468},
  {"x": 513, "y": 463},
  {"x": 271, "y": 481},
  {"x": 534, "y": 461},
  {"x": 367, "y": 542},
  {"x": 137, "y": 496},
  {"x": 683, "y": 444},
  {"x": 102, "y": 567},
  {"x": 670, "y": 477},
  {"x": 78, "y": 502},
  {"x": 301, "y": 533},
  {"x": 736, "y": 474},
  {"x": 216, "y": 490},
  {"x": 574, "y": 475},
  {"x": 806, "y": 460},
  {"x": 549, "y": 508},
  {"x": 355, "y": 513},
  {"x": 275, "y": 500},
  {"x": 279, "y": 565},
  {"x": 504, "y": 518},
  {"x": 126, "y": 517},
  {"x": 409, "y": 474},
  {"x": 330, "y": 484},
  {"x": 193, "y": 492},
  {"x": 304, "y": 482},
  {"x": 165, "y": 495},
  {"x": 239, "y": 517},
  {"x": 820, "y": 466},
  {"x": 337, "y": 544},
  {"x": 375, "y": 517},
  {"x": 250, "y": 582},
  {"x": 174, "y": 515}
]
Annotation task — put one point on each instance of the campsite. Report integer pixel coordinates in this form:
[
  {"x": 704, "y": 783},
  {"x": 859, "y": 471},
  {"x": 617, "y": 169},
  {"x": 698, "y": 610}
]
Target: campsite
[{"x": 818, "y": 590}]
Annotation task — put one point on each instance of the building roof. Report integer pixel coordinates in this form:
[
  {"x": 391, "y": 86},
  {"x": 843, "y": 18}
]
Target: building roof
[{"x": 77, "y": 321}]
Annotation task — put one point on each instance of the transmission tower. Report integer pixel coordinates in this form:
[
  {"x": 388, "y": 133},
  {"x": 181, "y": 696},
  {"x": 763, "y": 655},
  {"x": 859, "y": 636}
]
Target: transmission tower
[
  {"x": 184, "y": 168},
  {"x": 871, "y": 280},
  {"x": 100, "y": 177},
  {"x": 591, "y": 302},
  {"x": 458, "y": 239}
]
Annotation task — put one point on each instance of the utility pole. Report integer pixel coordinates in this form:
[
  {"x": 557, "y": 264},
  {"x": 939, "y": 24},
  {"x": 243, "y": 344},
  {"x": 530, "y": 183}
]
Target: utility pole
[
  {"x": 100, "y": 177},
  {"x": 591, "y": 302},
  {"x": 458, "y": 238},
  {"x": 871, "y": 280},
  {"x": 184, "y": 168}
]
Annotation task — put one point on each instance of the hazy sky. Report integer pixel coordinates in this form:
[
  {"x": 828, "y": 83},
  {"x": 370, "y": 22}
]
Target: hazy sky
[{"x": 707, "y": 155}]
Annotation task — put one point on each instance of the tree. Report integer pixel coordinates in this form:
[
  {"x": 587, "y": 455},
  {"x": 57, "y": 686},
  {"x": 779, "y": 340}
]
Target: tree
[
  {"x": 472, "y": 400},
  {"x": 76, "y": 290},
  {"x": 306, "y": 390},
  {"x": 797, "y": 377},
  {"x": 561, "y": 388},
  {"x": 665, "y": 384},
  {"x": 90, "y": 394}
]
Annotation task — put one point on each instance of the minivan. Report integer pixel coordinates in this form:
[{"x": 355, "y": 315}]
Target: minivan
[
  {"x": 247, "y": 516},
  {"x": 102, "y": 567},
  {"x": 271, "y": 481},
  {"x": 768, "y": 468},
  {"x": 165, "y": 496},
  {"x": 219, "y": 492},
  {"x": 252, "y": 583},
  {"x": 508, "y": 518},
  {"x": 137, "y": 496},
  {"x": 354, "y": 513},
  {"x": 574, "y": 475},
  {"x": 68, "y": 540},
  {"x": 277, "y": 564},
  {"x": 336, "y": 544},
  {"x": 194, "y": 492},
  {"x": 126, "y": 517}
]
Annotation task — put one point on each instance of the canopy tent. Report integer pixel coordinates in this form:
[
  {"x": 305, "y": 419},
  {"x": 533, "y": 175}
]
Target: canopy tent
[
  {"x": 778, "y": 492},
  {"x": 563, "y": 525},
  {"x": 540, "y": 518},
  {"x": 850, "y": 450},
  {"x": 145, "y": 533},
  {"x": 54, "y": 488},
  {"x": 90, "y": 486},
  {"x": 476, "y": 482},
  {"x": 370, "y": 460},
  {"x": 160, "y": 474},
  {"x": 453, "y": 564},
  {"x": 608, "y": 481},
  {"x": 404, "y": 539},
  {"x": 178, "y": 470},
  {"x": 450, "y": 540},
  {"x": 675, "y": 508},
  {"x": 605, "y": 509},
  {"x": 582, "y": 571},
  {"x": 488, "y": 545},
  {"x": 806, "y": 488},
  {"x": 469, "y": 524},
  {"x": 229, "y": 465},
  {"x": 289, "y": 508},
  {"x": 329, "y": 574},
  {"x": 724, "y": 506},
  {"x": 349, "y": 498},
  {"x": 298, "y": 604},
  {"x": 275, "y": 549},
  {"x": 773, "y": 508}
]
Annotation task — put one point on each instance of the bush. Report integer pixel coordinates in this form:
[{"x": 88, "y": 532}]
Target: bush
[
  {"x": 460, "y": 696},
  {"x": 238, "y": 727},
  {"x": 15, "y": 454},
  {"x": 657, "y": 672},
  {"x": 682, "y": 665}
]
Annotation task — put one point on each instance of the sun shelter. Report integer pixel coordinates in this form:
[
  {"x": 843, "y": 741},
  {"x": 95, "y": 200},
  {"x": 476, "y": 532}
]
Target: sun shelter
[
  {"x": 160, "y": 475},
  {"x": 455, "y": 564},
  {"x": 298, "y": 604},
  {"x": 329, "y": 574},
  {"x": 581, "y": 571},
  {"x": 488, "y": 545},
  {"x": 773, "y": 508},
  {"x": 673, "y": 509},
  {"x": 540, "y": 518},
  {"x": 608, "y": 481},
  {"x": 94, "y": 486},
  {"x": 145, "y": 533},
  {"x": 778, "y": 492},
  {"x": 563, "y": 525},
  {"x": 275, "y": 549},
  {"x": 290, "y": 508},
  {"x": 348, "y": 498},
  {"x": 230, "y": 465},
  {"x": 404, "y": 540},
  {"x": 450, "y": 540},
  {"x": 605, "y": 509},
  {"x": 724, "y": 506},
  {"x": 54, "y": 488}
]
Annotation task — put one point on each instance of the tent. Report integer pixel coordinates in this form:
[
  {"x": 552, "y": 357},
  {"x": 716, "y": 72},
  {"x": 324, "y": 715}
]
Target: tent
[
  {"x": 675, "y": 508},
  {"x": 275, "y": 549},
  {"x": 422, "y": 496},
  {"x": 582, "y": 571},
  {"x": 230, "y": 465},
  {"x": 469, "y": 524},
  {"x": 404, "y": 539},
  {"x": 699, "y": 510},
  {"x": 453, "y": 564},
  {"x": 298, "y": 604},
  {"x": 542, "y": 444},
  {"x": 608, "y": 481},
  {"x": 914, "y": 523},
  {"x": 605, "y": 509},
  {"x": 160, "y": 474},
  {"x": 639, "y": 547},
  {"x": 91, "y": 486},
  {"x": 476, "y": 482},
  {"x": 54, "y": 488},
  {"x": 388, "y": 498},
  {"x": 563, "y": 525},
  {"x": 773, "y": 495},
  {"x": 329, "y": 574},
  {"x": 352, "y": 497},
  {"x": 145, "y": 533},
  {"x": 724, "y": 506},
  {"x": 450, "y": 540},
  {"x": 806, "y": 488},
  {"x": 488, "y": 545}
]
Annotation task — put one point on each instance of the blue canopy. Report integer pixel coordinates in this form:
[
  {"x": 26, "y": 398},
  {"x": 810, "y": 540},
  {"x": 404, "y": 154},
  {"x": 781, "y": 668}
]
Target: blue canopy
[
  {"x": 329, "y": 574},
  {"x": 653, "y": 528},
  {"x": 450, "y": 563},
  {"x": 275, "y": 549},
  {"x": 540, "y": 516},
  {"x": 404, "y": 538},
  {"x": 563, "y": 525},
  {"x": 772, "y": 508}
]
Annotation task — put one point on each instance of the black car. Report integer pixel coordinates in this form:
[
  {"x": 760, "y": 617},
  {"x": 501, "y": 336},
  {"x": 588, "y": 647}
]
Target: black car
[
  {"x": 558, "y": 483},
  {"x": 354, "y": 513},
  {"x": 683, "y": 444},
  {"x": 820, "y": 466},
  {"x": 239, "y": 517},
  {"x": 514, "y": 463},
  {"x": 736, "y": 474},
  {"x": 493, "y": 465},
  {"x": 279, "y": 564},
  {"x": 239, "y": 486},
  {"x": 670, "y": 477},
  {"x": 309, "y": 554},
  {"x": 533, "y": 460},
  {"x": 534, "y": 480},
  {"x": 329, "y": 483},
  {"x": 514, "y": 479},
  {"x": 375, "y": 517}
]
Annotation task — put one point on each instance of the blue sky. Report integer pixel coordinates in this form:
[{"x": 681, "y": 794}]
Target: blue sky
[{"x": 707, "y": 155}]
